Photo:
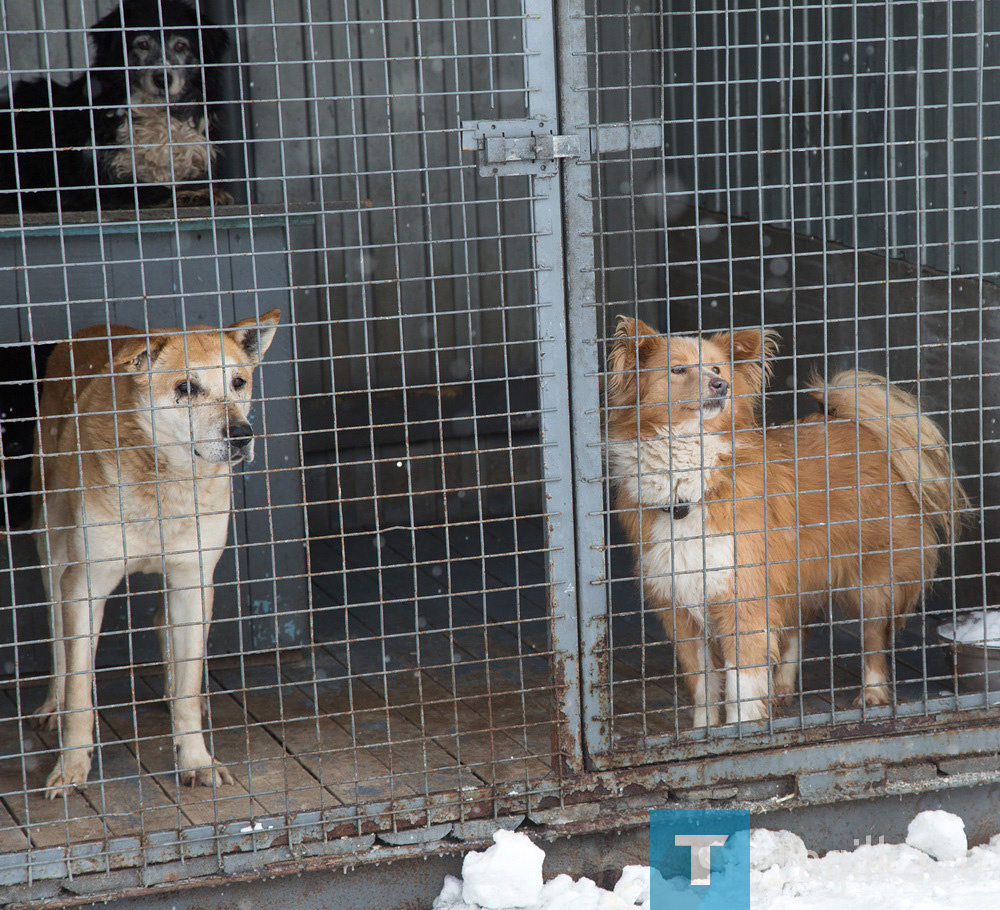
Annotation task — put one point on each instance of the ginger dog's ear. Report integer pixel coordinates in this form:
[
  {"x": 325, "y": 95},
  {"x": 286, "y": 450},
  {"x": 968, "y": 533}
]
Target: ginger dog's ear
[{"x": 634, "y": 341}]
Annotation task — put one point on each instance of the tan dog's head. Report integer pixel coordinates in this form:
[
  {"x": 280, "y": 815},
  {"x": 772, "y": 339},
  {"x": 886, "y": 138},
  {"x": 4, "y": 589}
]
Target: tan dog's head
[
  {"x": 194, "y": 386},
  {"x": 686, "y": 382}
]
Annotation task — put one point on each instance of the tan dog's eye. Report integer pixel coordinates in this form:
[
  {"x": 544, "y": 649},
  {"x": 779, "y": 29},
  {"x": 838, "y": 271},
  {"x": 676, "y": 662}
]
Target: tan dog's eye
[
  {"x": 184, "y": 389},
  {"x": 677, "y": 370},
  {"x": 239, "y": 382},
  {"x": 717, "y": 371}
]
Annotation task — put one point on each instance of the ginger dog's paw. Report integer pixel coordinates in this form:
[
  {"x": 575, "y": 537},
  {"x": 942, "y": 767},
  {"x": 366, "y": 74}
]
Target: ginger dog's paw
[{"x": 871, "y": 696}]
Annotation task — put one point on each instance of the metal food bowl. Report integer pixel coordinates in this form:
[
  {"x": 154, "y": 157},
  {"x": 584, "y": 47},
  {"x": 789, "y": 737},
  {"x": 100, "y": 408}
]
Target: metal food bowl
[{"x": 976, "y": 664}]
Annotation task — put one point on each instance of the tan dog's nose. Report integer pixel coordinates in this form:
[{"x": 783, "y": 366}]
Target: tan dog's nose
[{"x": 240, "y": 435}]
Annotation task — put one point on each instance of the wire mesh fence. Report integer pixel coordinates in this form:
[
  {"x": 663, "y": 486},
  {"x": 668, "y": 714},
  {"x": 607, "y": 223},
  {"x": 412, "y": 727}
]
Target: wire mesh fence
[
  {"x": 819, "y": 175},
  {"x": 380, "y": 655},
  {"x": 430, "y": 609}
]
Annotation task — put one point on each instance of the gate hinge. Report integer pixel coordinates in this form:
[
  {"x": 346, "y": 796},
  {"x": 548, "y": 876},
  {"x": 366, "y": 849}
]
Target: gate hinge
[{"x": 506, "y": 148}]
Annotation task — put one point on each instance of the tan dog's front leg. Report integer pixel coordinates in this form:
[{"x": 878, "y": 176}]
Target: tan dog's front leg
[
  {"x": 189, "y": 608},
  {"x": 84, "y": 591},
  {"x": 46, "y": 717}
]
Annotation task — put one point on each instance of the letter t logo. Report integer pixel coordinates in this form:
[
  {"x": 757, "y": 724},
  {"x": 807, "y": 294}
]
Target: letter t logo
[{"x": 696, "y": 842}]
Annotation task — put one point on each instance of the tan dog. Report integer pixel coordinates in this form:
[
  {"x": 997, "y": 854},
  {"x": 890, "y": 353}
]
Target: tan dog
[{"x": 137, "y": 438}]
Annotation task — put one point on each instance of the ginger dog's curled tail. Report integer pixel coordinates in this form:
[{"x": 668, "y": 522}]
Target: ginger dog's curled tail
[{"x": 917, "y": 449}]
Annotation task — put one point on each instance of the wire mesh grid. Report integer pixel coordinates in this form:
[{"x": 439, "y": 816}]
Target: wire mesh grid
[
  {"x": 380, "y": 655},
  {"x": 428, "y": 610},
  {"x": 821, "y": 174}
]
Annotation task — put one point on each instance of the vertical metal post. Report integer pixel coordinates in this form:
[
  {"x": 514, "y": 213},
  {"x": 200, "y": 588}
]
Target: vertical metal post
[
  {"x": 584, "y": 366},
  {"x": 554, "y": 364}
]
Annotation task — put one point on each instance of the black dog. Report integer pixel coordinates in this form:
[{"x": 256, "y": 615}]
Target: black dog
[{"x": 135, "y": 128}]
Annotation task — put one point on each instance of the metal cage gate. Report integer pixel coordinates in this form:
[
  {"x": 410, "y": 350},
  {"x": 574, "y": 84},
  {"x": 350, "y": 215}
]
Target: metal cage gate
[
  {"x": 775, "y": 168},
  {"x": 429, "y": 621}
]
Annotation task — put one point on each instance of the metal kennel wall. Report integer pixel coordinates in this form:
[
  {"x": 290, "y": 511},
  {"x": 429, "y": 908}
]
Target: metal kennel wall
[{"x": 428, "y": 621}]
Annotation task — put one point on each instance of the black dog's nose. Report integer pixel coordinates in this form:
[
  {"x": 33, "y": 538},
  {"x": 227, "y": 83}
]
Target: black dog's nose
[
  {"x": 240, "y": 435},
  {"x": 718, "y": 386}
]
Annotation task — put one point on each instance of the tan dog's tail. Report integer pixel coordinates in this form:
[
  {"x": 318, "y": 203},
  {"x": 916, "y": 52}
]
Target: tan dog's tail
[{"x": 917, "y": 449}]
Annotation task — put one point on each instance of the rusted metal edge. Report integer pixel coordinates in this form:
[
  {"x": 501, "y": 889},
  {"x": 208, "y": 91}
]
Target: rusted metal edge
[
  {"x": 620, "y": 813},
  {"x": 589, "y": 803},
  {"x": 850, "y": 737},
  {"x": 411, "y": 817}
]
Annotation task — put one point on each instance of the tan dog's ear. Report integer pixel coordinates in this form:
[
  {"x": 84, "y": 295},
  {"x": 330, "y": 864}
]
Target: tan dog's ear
[
  {"x": 255, "y": 336},
  {"x": 137, "y": 355},
  {"x": 635, "y": 339},
  {"x": 751, "y": 350}
]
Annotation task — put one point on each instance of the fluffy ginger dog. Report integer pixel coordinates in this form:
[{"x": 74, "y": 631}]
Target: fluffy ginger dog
[{"x": 741, "y": 532}]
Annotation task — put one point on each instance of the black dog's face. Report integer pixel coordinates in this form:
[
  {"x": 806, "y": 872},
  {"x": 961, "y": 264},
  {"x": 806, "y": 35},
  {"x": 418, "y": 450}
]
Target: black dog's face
[
  {"x": 163, "y": 66},
  {"x": 156, "y": 51}
]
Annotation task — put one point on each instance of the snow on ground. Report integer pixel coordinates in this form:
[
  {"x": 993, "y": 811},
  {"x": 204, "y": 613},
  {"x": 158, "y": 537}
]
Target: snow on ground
[{"x": 933, "y": 870}]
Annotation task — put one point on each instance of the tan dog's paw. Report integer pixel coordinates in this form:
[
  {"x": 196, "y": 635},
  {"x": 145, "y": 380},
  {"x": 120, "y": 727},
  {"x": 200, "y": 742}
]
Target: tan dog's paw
[
  {"x": 71, "y": 771},
  {"x": 46, "y": 717},
  {"x": 214, "y": 775}
]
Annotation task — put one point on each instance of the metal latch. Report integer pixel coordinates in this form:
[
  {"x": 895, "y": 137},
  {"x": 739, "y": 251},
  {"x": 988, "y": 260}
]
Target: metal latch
[{"x": 516, "y": 147}]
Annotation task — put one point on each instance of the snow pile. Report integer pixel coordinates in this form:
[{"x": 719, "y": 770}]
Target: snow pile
[
  {"x": 770, "y": 848},
  {"x": 979, "y": 628},
  {"x": 509, "y": 874},
  {"x": 938, "y": 834},
  {"x": 933, "y": 870},
  {"x": 561, "y": 893},
  {"x": 633, "y": 886},
  {"x": 892, "y": 876}
]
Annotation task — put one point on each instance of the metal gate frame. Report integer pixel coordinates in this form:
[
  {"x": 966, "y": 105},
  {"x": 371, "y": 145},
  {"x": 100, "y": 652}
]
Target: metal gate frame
[
  {"x": 857, "y": 737},
  {"x": 551, "y": 288},
  {"x": 214, "y": 853}
]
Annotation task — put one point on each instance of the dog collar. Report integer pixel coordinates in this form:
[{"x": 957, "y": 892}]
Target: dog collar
[{"x": 677, "y": 510}]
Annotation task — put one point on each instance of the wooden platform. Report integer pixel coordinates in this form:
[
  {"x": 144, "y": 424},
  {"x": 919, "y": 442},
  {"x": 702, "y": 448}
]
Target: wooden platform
[
  {"x": 435, "y": 682},
  {"x": 429, "y": 698}
]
